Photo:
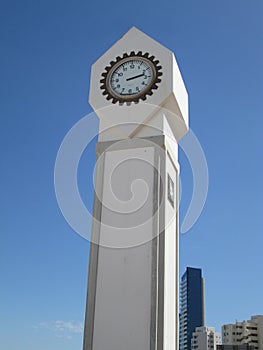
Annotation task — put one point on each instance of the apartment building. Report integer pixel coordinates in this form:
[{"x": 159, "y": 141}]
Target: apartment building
[
  {"x": 247, "y": 332},
  {"x": 205, "y": 338}
]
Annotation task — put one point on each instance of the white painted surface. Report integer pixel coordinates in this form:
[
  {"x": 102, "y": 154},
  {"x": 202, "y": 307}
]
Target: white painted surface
[
  {"x": 123, "y": 306},
  {"x": 129, "y": 296},
  {"x": 170, "y": 267},
  {"x": 127, "y": 211},
  {"x": 171, "y": 93},
  {"x": 123, "y": 297}
]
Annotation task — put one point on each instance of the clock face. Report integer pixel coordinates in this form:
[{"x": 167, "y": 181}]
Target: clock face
[{"x": 131, "y": 78}]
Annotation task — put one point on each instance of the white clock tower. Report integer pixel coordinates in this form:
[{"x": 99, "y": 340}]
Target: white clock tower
[{"x": 138, "y": 93}]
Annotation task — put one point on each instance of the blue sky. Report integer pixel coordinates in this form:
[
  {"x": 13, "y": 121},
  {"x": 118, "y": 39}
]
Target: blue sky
[{"x": 47, "y": 48}]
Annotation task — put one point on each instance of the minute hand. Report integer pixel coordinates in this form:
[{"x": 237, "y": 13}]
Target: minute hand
[{"x": 136, "y": 76}]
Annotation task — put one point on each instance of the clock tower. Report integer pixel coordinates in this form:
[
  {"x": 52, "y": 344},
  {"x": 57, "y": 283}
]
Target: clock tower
[{"x": 138, "y": 93}]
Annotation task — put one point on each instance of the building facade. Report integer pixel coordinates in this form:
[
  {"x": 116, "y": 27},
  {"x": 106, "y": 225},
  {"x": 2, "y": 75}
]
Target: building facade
[
  {"x": 191, "y": 305},
  {"x": 205, "y": 338},
  {"x": 235, "y": 347},
  {"x": 244, "y": 333}
]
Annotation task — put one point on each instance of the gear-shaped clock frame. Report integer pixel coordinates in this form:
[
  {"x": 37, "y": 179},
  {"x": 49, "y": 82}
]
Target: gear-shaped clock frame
[{"x": 142, "y": 95}]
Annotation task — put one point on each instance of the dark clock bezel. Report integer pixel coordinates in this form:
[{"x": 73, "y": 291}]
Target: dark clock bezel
[{"x": 142, "y": 95}]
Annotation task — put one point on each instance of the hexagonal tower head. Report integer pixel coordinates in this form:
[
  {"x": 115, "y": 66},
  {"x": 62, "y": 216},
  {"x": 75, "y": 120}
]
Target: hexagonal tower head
[{"x": 146, "y": 95}]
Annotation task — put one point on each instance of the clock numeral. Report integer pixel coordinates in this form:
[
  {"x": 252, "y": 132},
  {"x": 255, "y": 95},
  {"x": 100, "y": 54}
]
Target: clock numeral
[
  {"x": 145, "y": 77},
  {"x": 137, "y": 88},
  {"x": 120, "y": 74},
  {"x": 130, "y": 91},
  {"x": 139, "y": 67},
  {"x": 132, "y": 66},
  {"x": 118, "y": 86},
  {"x": 124, "y": 69}
]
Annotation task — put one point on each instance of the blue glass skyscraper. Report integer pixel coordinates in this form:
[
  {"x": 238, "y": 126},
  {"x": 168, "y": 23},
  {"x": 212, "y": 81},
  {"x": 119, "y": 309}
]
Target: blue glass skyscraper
[{"x": 191, "y": 305}]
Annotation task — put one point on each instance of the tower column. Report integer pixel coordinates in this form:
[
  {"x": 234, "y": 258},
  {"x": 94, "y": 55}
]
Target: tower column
[{"x": 132, "y": 301}]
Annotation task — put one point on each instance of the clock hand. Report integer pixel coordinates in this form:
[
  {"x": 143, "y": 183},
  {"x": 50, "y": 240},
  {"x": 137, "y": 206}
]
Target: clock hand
[{"x": 136, "y": 76}]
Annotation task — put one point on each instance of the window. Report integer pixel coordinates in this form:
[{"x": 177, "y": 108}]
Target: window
[{"x": 170, "y": 190}]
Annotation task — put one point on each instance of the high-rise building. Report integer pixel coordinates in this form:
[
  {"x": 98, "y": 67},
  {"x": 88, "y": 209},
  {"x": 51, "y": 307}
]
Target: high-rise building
[
  {"x": 244, "y": 333},
  {"x": 205, "y": 338},
  {"x": 191, "y": 305}
]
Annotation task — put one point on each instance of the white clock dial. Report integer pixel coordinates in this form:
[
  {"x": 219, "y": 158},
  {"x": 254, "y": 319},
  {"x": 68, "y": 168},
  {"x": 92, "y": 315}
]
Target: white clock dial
[{"x": 131, "y": 77}]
